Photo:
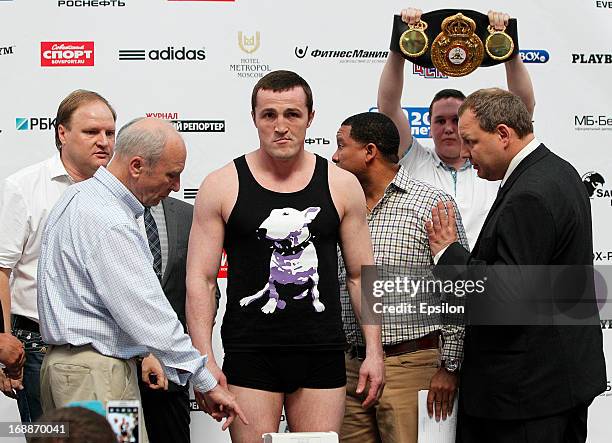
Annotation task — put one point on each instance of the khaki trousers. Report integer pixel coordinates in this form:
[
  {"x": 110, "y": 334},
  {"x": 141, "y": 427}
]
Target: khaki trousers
[
  {"x": 80, "y": 373},
  {"x": 394, "y": 418}
]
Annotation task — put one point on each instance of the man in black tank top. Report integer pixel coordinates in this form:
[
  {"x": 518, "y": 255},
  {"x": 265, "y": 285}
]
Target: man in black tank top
[{"x": 280, "y": 213}]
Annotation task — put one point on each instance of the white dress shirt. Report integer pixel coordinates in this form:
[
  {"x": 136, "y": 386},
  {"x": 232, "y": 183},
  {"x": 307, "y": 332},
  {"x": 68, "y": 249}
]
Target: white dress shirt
[
  {"x": 26, "y": 198},
  {"x": 474, "y": 196},
  {"x": 519, "y": 157}
]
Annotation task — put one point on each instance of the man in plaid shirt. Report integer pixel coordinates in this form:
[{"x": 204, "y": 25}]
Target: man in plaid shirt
[{"x": 421, "y": 351}]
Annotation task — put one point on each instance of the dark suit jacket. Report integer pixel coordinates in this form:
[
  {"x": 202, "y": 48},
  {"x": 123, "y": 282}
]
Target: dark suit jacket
[
  {"x": 178, "y": 216},
  {"x": 541, "y": 216}
]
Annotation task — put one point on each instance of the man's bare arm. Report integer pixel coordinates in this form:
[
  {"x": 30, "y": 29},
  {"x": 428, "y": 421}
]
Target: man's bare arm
[
  {"x": 356, "y": 246},
  {"x": 517, "y": 75},
  {"x": 519, "y": 82},
  {"x": 392, "y": 84},
  {"x": 390, "y": 98},
  {"x": 5, "y": 297},
  {"x": 203, "y": 260}
]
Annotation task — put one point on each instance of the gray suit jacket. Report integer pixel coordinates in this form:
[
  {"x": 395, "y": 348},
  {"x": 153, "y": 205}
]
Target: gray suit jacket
[{"x": 178, "y": 216}]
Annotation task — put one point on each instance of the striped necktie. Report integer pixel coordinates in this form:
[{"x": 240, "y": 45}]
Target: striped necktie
[{"x": 153, "y": 238}]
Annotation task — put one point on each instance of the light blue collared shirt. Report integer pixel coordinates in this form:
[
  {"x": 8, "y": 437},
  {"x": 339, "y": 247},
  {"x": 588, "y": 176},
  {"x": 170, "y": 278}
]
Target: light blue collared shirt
[{"x": 96, "y": 283}]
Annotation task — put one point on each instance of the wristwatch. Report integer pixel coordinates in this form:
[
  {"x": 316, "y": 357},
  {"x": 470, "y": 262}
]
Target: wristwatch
[{"x": 451, "y": 364}]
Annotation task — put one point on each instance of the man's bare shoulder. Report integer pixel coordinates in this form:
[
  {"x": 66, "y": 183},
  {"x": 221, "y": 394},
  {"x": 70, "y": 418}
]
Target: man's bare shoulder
[
  {"x": 339, "y": 178},
  {"x": 220, "y": 178},
  {"x": 219, "y": 188},
  {"x": 345, "y": 190}
]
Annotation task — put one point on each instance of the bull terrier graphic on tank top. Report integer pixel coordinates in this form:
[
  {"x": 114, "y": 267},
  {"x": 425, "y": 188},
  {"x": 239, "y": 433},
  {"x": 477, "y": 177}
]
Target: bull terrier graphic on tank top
[{"x": 282, "y": 288}]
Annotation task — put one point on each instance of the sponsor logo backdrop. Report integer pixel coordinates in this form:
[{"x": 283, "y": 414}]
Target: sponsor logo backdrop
[{"x": 195, "y": 63}]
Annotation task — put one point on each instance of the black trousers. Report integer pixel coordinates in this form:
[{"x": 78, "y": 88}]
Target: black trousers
[
  {"x": 566, "y": 427},
  {"x": 166, "y": 413}
]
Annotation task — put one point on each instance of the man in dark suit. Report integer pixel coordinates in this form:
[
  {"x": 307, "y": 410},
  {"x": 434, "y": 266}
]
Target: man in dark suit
[
  {"x": 167, "y": 412},
  {"x": 525, "y": 381}
]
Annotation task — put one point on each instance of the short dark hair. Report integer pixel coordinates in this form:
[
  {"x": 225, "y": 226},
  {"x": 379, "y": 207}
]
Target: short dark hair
[
  {"x": 495, "y": 106},
  {"x": 278, "y": 81},
  {"x": 446, "y": 93},
  {"x": 376, "y": 128},
  {"x": 70, "y": 104},
  {"x": 84, "y": 426}
]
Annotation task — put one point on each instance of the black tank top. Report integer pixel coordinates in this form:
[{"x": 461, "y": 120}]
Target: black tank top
[{"x": 282, "y": 281}]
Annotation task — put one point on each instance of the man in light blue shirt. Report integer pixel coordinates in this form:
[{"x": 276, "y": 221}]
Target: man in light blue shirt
[{"x": 99, "y": 299}]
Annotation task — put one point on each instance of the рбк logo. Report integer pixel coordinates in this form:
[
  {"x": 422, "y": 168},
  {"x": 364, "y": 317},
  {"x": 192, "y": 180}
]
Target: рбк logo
[{"x": 34, "y": 123}]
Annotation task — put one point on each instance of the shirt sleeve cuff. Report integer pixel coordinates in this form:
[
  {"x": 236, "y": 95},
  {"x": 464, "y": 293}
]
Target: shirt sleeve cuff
[
  {"x": 448, "y": 354},
  {"x": 204, "y": 381},
  {"x": 437, "y": 257}
]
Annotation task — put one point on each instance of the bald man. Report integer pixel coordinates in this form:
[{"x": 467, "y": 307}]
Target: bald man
[{"x": 99, "y": 297}]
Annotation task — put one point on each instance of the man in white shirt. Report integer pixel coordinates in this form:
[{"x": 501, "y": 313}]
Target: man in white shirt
[
  {"x": 444, "y": 167},
  {"x": 85, "y": 139}
]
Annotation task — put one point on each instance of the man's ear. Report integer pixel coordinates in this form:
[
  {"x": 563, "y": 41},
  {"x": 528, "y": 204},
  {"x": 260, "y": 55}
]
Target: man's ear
[
  {"x": 136, "y": 166},
  {"x": 505, "y": 133},
  {"x": 253, "y": 117},
  {"x": 310, "y": 118},
  {"x": 61, "y": 133},
  {"x": 371, "y": 152}
]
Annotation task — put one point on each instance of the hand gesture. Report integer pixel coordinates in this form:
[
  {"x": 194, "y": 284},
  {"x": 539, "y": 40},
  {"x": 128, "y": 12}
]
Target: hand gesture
[
  {"x": 222, "y": 403},
  {"x": 442, "y": 228}
]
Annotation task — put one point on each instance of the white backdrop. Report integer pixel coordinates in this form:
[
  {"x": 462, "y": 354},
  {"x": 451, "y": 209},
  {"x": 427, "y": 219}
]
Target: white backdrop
[{"x": 573, "y": 115}]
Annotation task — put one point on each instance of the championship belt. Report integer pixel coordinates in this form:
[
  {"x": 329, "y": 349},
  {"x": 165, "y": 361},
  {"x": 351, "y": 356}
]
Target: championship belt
[
  {"x": 457, "y": 37},
  {"x": 457, "y": 51}
]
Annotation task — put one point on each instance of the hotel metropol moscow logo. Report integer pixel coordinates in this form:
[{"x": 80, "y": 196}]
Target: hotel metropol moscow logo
[{"x": 248, "y": 65}]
